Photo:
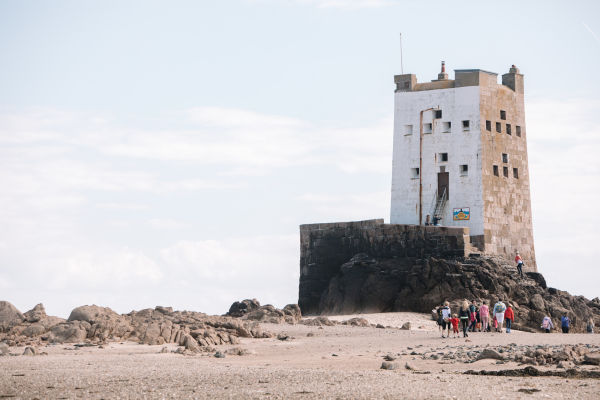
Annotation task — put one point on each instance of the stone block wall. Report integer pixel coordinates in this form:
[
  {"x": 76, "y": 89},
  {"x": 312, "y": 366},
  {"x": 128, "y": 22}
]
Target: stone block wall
[{"x": 325, "y": 247}]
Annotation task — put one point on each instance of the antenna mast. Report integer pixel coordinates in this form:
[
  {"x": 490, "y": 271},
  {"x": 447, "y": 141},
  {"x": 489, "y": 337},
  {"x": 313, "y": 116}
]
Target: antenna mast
[{"x": 401, "y": 60}]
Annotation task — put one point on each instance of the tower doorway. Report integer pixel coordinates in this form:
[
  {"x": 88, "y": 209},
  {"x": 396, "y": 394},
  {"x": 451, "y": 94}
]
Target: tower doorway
[{"x": 443, "y": 185}]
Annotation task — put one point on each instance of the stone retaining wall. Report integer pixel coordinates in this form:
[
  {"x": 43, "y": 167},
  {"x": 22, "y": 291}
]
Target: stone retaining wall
[{"x": 325, "y": 247}]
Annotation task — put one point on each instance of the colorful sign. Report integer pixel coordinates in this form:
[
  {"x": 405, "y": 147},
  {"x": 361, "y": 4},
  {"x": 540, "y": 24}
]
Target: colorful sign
[{"x": 462, "y": 214}]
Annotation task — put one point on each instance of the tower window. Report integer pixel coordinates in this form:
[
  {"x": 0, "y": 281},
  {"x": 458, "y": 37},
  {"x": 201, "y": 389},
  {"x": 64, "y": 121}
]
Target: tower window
[
  {"x": 427, "y": 128},
  {"x": 488, "y": 126},
  {"x": 408, "y": 129},
  {"x": 496, "y": 170},
  {"x": 446, "y": 126},
  {"x": 508, "y": 129},
  {"x": 516, "y": 173},
  {"x": 414, "y": 172},
  {"x": 504, "y": 158},
  {"x": 518, "y": 128},
  {"x": 502, "y": 115},
  {"x": 437, "y": 114},
  {"x": 464, "y": 170},
  {"x": 505, "y": 171},
  {"x": 443, "y": 157},
  {"x": 465, "y": 125},
  {"x": 498, "y": 127}
]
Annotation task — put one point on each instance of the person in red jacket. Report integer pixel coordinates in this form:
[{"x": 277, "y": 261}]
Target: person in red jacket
[
  {"x": 509, "y": 316},
  {"x": 454, "y": 320},
  {"x": 519, "y": 262}
]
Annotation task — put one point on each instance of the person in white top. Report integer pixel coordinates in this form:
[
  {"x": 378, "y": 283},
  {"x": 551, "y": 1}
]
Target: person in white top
[{"x": 446, "y": 315}]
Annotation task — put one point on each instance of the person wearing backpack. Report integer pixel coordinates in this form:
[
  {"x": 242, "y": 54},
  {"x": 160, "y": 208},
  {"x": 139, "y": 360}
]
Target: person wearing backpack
[
  {"x": 446, "y": 315},
  {"x": 499, "y": 309}
]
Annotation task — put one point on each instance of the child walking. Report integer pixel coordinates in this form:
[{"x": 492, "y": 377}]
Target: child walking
[{"x": 454, "y": 321}]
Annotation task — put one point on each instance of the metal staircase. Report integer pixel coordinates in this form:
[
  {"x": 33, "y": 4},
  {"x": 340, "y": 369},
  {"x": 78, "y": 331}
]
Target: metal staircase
[{"x": 440, "y": 206}]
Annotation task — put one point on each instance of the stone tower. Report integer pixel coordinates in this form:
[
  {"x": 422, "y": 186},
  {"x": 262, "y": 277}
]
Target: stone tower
[{"x": 460, "y": 158}]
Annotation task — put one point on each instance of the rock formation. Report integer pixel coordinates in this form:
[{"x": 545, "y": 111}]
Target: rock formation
[
  {"x": 367, "y": 284},
  {"x": 193, "y": 330}
]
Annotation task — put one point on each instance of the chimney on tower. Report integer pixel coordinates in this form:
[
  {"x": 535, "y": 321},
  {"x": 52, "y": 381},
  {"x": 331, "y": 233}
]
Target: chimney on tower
[{"x": 442, "y": 76}]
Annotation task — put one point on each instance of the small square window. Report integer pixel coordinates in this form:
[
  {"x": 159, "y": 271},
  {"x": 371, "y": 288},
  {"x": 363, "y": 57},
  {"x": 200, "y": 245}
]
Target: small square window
[
  {"x": 488, "y": 126},
  {"x": 516, "y": 173},
  {"x": 496, "y": 170},
  {"x": 508, "y": 129},
  {"x": 518, "y": 128},
  {"x": 427, "y": 128},
  {"x": 504, "y": 158},
  {"x": 443, "y": 168},
  {"x": 505, "y": 171},
  {"x": 465, "y": 125},
  {"x": 464, "y": 170},
  {"x": 446, "y": 126},
  {"x": 437, "y": 114},
  {"x": 414, "y": 172},
  {"x": 408, "y": 129},
  {"x": 502, "y": 115},
  {"x": 498, "y": 127},
  {"x": 443, "y": 157}
]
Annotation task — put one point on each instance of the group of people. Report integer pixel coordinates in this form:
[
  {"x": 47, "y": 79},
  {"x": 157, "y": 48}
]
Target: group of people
[{"x": 475, "y": 317}]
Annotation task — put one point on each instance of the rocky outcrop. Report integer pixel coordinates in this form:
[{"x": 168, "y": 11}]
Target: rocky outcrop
[
  {"x": 253, "y": 311},
  {"x": 367, "y": 284},
  {"x": 194, "y": 331},
  {"x": 9, "y": 316}
]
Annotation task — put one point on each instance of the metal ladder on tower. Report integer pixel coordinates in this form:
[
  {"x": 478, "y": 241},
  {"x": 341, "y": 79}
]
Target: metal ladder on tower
[{"x": 440, "y": 205}]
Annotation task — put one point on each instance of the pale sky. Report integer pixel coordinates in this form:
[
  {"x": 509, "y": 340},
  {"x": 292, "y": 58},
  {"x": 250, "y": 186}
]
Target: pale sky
[{"x": 165, "y": 152}]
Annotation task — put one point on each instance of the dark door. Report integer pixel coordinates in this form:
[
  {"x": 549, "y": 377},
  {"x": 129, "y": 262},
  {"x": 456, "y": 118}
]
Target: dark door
[{"x": 443, "y": 184}]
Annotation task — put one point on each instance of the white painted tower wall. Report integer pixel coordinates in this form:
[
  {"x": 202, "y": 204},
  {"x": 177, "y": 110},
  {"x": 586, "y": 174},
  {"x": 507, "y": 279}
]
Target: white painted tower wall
[{"x": 463, "y": 147}]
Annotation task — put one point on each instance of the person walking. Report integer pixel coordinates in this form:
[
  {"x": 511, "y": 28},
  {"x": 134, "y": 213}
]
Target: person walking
[
  {"x": 565, "y": 323},
  {"x": 446, "y": 315},
  {"x": 499, "y": 309},
  {"x": 590, "y": 325},
  {"x": 509, "y": 316},
  {"x": 454, "y": 320},
  {"x": 472, "y": 316},
  {"x": 463, "y": 315},
  {"x": 519, "y": 262},
  {"x": 547, "y": 324},
  {"x": 484, "y": 316}
]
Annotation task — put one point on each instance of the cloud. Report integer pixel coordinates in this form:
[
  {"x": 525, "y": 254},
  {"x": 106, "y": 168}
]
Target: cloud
[
  {"x": 563, "y": 141},
  {"x": 347, "y": 207}
]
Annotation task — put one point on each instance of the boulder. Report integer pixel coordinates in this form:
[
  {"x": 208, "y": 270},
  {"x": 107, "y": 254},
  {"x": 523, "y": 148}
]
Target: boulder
[
  {"x": 389, "y": 365},
  {"x": 592, "y": 358},
  {"x": 4, "y": 350},
  {"x": 34, "y": 330},
  {"x": 9, "y": 316},
  {"x": 36, "y": 314},
  {"x": 293, "y": 313},
  {"x": 241, "y": 308},
  {"x": 356, "y": 322},
  {"x": 318, "y": 321},
  {"x": 29, "y": 351},
  {"x": 406, "y": 326},
  {"x": 92, "y": 314},
  {"x": 490, "y": 353},
  {"x": 69, "y": 332}
]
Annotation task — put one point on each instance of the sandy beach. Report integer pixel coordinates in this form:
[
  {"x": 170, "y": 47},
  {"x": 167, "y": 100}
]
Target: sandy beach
[{"x": 314, "y": 362}]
